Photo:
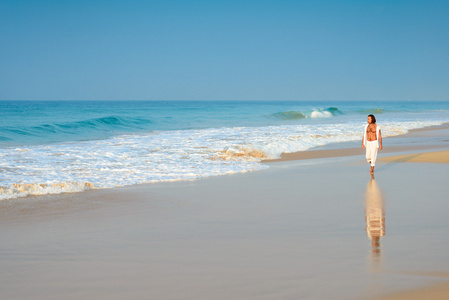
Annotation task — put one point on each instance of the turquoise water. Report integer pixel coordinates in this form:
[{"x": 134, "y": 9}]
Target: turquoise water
[
  {"x": 66, "y": 146},
  {"x": 42, "y": 122}
]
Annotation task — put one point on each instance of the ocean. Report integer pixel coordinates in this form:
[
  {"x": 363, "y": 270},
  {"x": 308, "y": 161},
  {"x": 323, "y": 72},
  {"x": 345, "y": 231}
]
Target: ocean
[{"x": 49, "y": 147}]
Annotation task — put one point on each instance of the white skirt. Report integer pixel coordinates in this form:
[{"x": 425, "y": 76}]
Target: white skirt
[{"x": 371, "y": 152}]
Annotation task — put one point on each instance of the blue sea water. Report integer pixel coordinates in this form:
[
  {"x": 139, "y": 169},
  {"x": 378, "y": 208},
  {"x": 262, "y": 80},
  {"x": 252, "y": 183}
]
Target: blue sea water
[{"x": 67, "y": 146}]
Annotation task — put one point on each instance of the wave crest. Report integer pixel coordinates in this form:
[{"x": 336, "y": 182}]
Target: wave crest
[
  {"x": 103, "y": 122},
  {"x": 83, "y": 128},
  {"x": 316, "y": 113}
]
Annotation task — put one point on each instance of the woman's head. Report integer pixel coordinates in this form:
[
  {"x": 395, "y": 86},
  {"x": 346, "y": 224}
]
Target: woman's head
[{"x": 373, "y": 119}]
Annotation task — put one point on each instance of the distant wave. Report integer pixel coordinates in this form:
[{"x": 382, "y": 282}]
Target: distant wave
[
  {"x": 103, "y": 123},
  {"x": 290, "y": 115},
  {"x": 316, "y": 113},
  {"x": 81, "y": 130}
]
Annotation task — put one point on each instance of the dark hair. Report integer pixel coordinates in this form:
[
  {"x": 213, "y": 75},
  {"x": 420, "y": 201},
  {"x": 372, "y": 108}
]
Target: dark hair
[{"x": 372, "y": 118}]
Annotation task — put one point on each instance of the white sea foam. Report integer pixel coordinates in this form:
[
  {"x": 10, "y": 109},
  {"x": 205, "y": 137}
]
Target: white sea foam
[
  {"x": 320, "y": 114},
  {"x": 164, "y": 156}
]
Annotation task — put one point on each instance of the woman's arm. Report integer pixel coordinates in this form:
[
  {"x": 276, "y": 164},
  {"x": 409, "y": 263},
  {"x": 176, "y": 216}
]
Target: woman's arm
[{"x": 380, "y": 140}]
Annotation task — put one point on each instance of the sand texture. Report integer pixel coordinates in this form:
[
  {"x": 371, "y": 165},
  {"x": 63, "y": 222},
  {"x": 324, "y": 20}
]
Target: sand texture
[{"x": 426, "y": 157}]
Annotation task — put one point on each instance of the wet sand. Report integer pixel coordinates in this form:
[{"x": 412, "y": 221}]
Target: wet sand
[
  {"x": 426, "y": 157},
  {"x": 316, "y": 154},
  {"x": 303, "y": 229},
  {"x": 437, "y": 291}
]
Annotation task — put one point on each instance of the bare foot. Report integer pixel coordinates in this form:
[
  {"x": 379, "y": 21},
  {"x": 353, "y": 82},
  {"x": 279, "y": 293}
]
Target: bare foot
[{"x": 371, "y": 171}]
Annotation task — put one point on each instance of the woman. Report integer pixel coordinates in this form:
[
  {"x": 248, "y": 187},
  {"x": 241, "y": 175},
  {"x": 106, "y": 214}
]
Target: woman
[{"x": 372, "y": 140}]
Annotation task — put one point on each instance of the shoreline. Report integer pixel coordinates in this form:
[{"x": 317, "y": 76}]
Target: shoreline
[
  {"x": 345, "y": 149},
  {"x": 318, "y": 154},
  {"x": 356, "y": 150}
]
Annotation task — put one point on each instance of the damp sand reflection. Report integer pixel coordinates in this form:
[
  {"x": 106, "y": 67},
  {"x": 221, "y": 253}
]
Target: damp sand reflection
[{"x": 375, "y": 219}]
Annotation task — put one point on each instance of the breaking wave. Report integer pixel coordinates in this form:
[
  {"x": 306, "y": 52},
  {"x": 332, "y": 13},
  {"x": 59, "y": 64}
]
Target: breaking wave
[{"x": 316, "y": 113}]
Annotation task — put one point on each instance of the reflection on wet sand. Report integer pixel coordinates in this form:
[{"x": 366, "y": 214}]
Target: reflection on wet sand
[{"x": 375, "y": 217}]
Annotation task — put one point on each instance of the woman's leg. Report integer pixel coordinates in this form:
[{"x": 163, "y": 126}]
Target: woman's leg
[
  {"x": 371, "y": 155},
  {"x": 368, "y": 153}
]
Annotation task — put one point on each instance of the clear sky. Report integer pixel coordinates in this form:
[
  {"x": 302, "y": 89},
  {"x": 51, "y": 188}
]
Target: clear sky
[{"x": 224, "y": 50}]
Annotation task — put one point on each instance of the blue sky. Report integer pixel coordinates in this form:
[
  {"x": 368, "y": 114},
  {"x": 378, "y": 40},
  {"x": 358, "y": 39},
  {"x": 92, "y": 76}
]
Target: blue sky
[{"x": 224, "y": 50}]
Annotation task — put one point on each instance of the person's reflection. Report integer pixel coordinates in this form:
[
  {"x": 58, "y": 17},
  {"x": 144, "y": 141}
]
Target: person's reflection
[{"x": 375, "y": 216}]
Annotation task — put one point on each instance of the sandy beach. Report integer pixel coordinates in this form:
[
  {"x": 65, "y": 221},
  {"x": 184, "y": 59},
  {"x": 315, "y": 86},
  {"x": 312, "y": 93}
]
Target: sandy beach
[{"x": 315, "y": 225}]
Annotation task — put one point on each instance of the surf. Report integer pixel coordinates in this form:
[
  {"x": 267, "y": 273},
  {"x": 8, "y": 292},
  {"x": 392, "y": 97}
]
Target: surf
[{"x": 315, "y": 113}]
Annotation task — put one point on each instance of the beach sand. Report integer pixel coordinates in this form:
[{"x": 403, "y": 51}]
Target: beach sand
[
  {"x": 426, "y": 157},
  {"x": 319, "y": 228},
  {"x": 438, "y": 291}
]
